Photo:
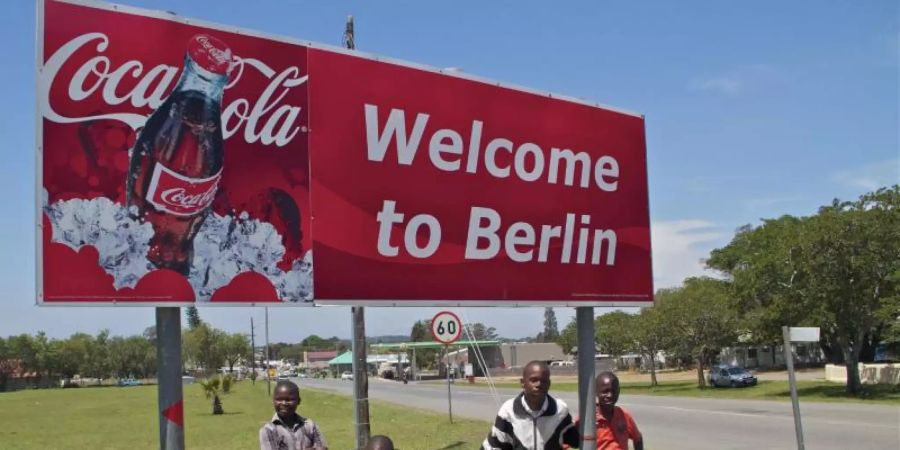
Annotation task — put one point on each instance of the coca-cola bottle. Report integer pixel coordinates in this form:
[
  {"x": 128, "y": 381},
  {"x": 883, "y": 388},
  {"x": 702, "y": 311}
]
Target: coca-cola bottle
[{"x": 176, "y": 163}]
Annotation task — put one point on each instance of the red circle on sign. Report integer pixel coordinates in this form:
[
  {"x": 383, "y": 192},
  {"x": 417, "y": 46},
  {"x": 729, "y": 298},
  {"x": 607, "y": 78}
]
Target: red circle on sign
[{"x": 447, "y": 338}]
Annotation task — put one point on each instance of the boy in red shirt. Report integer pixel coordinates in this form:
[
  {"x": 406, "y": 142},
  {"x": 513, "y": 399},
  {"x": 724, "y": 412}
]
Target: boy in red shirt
[{"x": 614, "y": 425}]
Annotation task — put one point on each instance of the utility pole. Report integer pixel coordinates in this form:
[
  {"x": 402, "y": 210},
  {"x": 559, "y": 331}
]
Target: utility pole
[
  {"x": 358, "y": 345},
  {"x": 252, "y": 352}
]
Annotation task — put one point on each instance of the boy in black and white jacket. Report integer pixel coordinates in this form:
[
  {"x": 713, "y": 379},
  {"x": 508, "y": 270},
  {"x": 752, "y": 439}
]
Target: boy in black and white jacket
[{"x": 533, "y": 420}]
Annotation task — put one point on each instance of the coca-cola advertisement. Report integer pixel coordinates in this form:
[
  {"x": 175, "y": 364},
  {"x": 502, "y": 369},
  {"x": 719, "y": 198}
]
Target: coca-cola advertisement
[
  {"x": 183, "y": 163},
  {"x": 175, "y": 162}
]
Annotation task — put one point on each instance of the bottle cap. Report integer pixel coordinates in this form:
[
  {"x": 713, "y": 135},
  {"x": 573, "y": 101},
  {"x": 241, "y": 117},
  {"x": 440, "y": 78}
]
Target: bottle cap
[{"x": 210, "y": 53}]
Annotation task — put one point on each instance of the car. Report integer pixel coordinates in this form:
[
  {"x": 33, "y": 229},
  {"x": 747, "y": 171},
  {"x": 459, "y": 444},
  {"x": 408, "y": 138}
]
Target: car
[
  {"x": 284, "y": 376},
  {"x": 187, "y": 379},
  {"x": 347, "y": 376},
  {"x": 731, "y": 376},
  {"x": 303, "y": 375},
  {"x": 129, "y": 382}
]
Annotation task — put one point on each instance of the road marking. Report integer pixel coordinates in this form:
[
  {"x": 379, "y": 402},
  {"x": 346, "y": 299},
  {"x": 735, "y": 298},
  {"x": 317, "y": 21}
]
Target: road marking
[{"x": 774, "y": 416}]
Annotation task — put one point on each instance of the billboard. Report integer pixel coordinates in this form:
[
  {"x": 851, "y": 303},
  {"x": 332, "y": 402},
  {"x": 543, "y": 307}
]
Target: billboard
[{"x": 192, "y": 163}]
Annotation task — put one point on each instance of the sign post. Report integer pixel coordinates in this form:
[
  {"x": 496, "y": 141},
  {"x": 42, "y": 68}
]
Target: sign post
[
  {"x": 168, "y": 354},
  {"x": 584, "y": 317},
  {"x": 446, "y": 328},
  {"x": 796, "y": 334}
]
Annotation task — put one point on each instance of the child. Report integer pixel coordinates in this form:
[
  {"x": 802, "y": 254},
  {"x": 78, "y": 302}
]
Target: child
[
  {"x": 287, "y": 430},
  {"x": 614, "y": 425},
  {"x": 380, "y": 442}
]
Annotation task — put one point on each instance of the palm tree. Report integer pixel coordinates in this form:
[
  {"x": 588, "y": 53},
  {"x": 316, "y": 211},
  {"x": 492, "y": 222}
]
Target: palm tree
[{"x": 212, "y": 387}]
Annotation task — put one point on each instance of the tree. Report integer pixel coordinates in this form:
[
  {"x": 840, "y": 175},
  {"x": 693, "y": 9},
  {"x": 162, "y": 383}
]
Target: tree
[
  {"x": 702, "y": 320},
  {"x": 481, "y": 332},
  {"x": 421, "y": 332},
  {"x": 837, "y": 270},
  {"x": 203, "y": 346},
  {"x": 851, "y": 255},
  {"x": 133, "y": 356},
  {"x": 568, "y": 339},
  {"x": 71, "y": 354},
  {"x": 212, "y": 388},
  {"x": 234, "y": 348},
  {"x": 761, "y": 265},
  {"x": 8, "y": 363},
  {"x": 551, "y": 330},
  {"x": 650, "y": 334},
  {"x": 612, "y": 331},
  {"x": 150, "y": 334},
  {"x": 193, "y": 317}
]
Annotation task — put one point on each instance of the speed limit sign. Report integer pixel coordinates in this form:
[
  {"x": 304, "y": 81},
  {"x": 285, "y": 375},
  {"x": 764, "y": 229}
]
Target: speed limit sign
[{"x": 446, "y": 327}]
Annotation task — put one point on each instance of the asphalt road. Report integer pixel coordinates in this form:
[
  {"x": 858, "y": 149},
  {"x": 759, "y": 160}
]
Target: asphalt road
[{"x": 678, "y": 422}]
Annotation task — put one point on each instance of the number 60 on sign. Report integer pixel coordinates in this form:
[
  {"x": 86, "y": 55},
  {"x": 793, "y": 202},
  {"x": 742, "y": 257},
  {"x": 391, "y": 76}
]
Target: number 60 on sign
[{"x": 446, "y": 327}]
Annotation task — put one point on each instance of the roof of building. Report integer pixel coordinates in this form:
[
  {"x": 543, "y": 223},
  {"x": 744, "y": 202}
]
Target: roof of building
[
  {"x": 321, "y": 355},
  {"x": 431, "y": 344}
]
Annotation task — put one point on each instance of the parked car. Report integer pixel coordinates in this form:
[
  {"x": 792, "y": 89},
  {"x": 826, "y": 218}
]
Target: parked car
[
  {"x": 731, "y": 376},
  {"x": 347, "y": 376},
  {"x": 129, "y": 382},
  {"x": 187, "y": 379}
]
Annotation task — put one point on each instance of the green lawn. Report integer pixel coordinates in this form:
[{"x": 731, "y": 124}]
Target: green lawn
[
  {"x": 815, "y": 391},
  {"x": 117, "y": 418}
]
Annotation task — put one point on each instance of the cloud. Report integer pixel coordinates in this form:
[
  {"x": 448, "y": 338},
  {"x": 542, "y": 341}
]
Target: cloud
[
  {"x": 738, "y": 80},
  {"x": 679, "y": 248},
  {"x": 723, "y": 85},
  {"x": 766, "y": 202},
  {"x": 871, "y": 176}
]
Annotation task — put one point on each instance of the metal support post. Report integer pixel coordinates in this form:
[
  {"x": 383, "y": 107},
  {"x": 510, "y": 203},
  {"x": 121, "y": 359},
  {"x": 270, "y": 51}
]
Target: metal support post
[
  {"x": 449, "y": 402},
  {"x": 268, "y": 378},
  {"x": 360, "y": 377},
  {"x": 586, "y": 404},
  {"x": 168, "y": 354},
  {"x": 792, "y": 381}
]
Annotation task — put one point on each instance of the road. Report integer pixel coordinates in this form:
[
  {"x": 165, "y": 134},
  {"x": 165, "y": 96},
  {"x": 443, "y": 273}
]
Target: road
[{"x": 679, "y": 422}]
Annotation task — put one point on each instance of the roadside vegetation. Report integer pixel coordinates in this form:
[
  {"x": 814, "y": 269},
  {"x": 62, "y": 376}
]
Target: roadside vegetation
[
  {"x": 115, "y": 418},
  {"x": 838, "y": 270}
]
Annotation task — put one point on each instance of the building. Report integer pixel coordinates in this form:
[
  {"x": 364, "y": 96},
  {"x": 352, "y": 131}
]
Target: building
[
  {"x": 505, "y": 356},
  {"x": 317, "y": 360},
  {"x": 374, "y": 363},
  {"x": 771, "y": 356}
]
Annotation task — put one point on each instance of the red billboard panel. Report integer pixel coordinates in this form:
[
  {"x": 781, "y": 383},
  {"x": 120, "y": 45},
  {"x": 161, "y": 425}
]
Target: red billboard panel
[
  {"x": 173, "y": 162},
  {"x": 188, "y": 163},
  {"x": 427, "y": 186}
]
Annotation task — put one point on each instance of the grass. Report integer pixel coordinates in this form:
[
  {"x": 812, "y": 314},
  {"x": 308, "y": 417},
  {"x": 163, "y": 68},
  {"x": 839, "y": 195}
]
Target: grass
[
  {"x": 815, "y": 391},
  {"x": 116, "y": 418}
]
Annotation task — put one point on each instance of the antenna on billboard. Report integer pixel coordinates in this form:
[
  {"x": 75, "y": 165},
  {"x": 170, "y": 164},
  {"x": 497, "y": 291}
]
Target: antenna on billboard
[
  {"x": 348, "y": 34},
  {"x": 358, "y": 344}
]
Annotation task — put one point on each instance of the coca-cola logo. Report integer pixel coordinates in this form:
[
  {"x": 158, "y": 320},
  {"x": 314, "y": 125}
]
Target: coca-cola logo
[
  {"x": 266, "y": 119},
  {"x": 177, "y": 194},
  {"x": 221, "y": 56}
]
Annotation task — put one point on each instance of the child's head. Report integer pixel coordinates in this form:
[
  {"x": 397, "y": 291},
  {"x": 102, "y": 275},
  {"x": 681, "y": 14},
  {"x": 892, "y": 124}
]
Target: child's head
[
  {"x": 607, "y": 385},
  {"x": 380, "y": 442},
  {"x": 286, "y": 398},
  {"x": 535, "y": 382}
]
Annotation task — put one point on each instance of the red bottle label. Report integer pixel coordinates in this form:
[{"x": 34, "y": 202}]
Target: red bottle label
[{"x": 177, "y": 194}]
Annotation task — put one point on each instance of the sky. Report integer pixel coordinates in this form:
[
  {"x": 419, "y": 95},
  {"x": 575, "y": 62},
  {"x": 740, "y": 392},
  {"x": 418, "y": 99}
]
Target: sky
[{"x": 753, "y": 110}]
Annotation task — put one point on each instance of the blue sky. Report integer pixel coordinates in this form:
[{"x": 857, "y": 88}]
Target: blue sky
[{"x": 753, "y": 110}]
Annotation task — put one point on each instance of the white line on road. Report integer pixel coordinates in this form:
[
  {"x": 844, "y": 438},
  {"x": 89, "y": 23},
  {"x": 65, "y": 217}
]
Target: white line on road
[{"x": 775, "y": 416}]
